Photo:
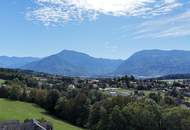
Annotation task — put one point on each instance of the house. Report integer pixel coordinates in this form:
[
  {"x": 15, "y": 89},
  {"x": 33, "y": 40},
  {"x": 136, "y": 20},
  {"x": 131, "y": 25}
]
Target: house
[{"x": 29, "y": 125}]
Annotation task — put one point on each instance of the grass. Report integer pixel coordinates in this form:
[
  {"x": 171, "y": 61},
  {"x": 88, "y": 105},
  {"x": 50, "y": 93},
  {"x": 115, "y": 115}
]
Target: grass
[
  {"x": 2, "y": 81},
  {"x": 16, "y": 110}
]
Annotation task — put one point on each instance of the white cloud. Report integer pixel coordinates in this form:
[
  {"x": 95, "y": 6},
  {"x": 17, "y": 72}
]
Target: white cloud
[
  {"x": 173, "y": 26},
  {"x": 59, "y": 11}
]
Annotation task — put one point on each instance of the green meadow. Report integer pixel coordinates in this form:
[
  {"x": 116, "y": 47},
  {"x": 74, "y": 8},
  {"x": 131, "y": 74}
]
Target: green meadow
[{"x": 16, "y": 110}]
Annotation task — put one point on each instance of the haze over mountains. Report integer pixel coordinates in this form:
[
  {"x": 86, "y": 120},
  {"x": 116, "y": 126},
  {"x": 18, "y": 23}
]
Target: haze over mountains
[
  {"x": 15, "y": 62},
  {"x": 71, "y": 63}
]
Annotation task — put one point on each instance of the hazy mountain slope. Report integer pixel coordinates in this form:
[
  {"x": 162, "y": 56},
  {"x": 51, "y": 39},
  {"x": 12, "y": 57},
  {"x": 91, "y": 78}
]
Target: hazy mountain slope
[
  {"x": 156, "y": 62},
  {"x": 71, "y": 63},
  {"x": 15, "y": 62}
]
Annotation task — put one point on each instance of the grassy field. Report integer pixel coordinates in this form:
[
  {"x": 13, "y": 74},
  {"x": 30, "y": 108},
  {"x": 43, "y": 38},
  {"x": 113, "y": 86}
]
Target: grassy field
[
  {"x": 1, "y": 81},
  {"x": 16, "y": 110}
]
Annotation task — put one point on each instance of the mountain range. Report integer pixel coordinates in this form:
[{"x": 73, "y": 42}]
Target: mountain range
[
  {"x": 147, "y": 63},
  {"x": 15, "y": 62}
]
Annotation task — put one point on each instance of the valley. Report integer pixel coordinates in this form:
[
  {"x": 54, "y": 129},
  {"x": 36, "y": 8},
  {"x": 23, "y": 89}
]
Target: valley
[{"x": 87, "y": 102}]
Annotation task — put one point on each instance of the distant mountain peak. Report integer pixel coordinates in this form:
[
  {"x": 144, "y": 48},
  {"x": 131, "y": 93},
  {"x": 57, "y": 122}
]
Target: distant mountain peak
[
  {"x": 73, "y": 63},
  {"x": 68, "y": 51},
  {"x": 72, "y": 52}
]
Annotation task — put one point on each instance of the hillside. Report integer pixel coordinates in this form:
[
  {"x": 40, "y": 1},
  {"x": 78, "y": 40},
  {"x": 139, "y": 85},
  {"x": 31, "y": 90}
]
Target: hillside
[
  {"x": 15, "y": 62},
  {"x": 156, "y": 63},
  {"x": 71, "y": 63},
  {"x": 10, "y": 110}
]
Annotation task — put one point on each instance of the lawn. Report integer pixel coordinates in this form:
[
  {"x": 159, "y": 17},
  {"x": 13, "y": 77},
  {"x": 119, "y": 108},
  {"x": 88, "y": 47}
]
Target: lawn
[
  {"x": 15, "y": 110},
  {"x": 1, "y": 81}
]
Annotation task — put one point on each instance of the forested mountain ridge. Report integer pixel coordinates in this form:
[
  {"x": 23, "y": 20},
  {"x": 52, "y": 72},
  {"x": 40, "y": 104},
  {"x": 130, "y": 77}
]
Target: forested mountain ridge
[
  {"x": 156, "y": 63},
  {"x": 72, "y": 63}
]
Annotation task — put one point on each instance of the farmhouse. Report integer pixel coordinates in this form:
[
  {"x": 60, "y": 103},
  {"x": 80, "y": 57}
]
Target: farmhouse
[{"x": 29, "y": 125}]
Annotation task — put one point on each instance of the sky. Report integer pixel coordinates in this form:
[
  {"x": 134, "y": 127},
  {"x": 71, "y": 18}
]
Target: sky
[{"x": 113, "y": 29}]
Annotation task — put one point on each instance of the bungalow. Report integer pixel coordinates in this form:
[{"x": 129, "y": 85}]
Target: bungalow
[{"x": 29, "y": 125}]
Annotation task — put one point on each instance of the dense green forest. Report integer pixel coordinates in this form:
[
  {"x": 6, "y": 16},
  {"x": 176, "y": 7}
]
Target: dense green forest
[{"x": 83, "y": 103}]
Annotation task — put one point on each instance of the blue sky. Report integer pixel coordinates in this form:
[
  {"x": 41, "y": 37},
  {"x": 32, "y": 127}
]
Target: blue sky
[{"x": 101, "y": 28}]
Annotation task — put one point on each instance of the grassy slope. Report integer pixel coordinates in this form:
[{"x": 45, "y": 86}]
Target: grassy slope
[{"x": 10, "y": 110}]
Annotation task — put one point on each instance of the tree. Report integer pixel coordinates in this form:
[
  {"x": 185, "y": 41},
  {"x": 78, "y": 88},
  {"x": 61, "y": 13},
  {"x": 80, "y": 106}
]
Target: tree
[
  {"x": 81, "y": 105},
  {"x": 24, "y": 96},
  {"x": 15, "y": 92},
  {"x": 32, "y": 95},
  {"x": 4, "y": 91},
  {"x": 61, "y": 108},
  {"x": 40, "y": 97},
  {"x": 103, "y": 123},
  {"x": 143, "y": 115},
  {"x": 117, "y": 121},
  {"x": 168, "y": 100},
  {"x": 176, "y": 118},
  {"x": 94, "y": 116},
  {"x": 156, "y": 97},
  {"x": 51, "y": 100}
]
